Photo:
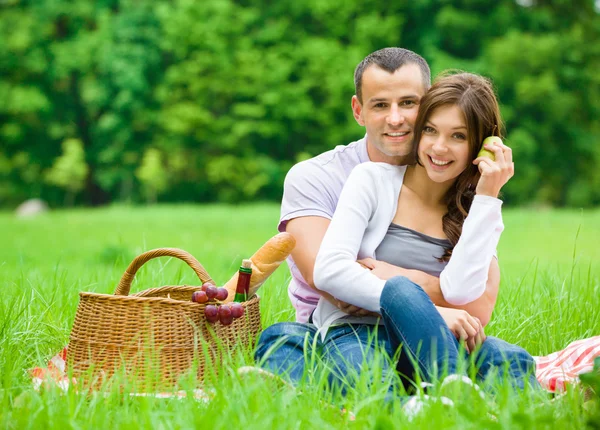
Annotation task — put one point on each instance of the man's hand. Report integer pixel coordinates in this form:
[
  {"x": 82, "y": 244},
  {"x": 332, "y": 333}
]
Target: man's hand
[
  {"x": 463, "y": 326},
  {"x": 381, "y": 269},
  {"x": 354, "y": 310}
]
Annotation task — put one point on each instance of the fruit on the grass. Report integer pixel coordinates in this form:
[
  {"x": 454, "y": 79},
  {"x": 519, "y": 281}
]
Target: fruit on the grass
[
  {"x": 199, "y": 297},
  {"x": 222, "y": 293},
  {"x": 211, "y": 312},
  {"x": 237, "y": 310}
]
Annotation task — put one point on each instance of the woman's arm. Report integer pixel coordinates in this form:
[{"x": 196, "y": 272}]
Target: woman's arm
[
  {"x": 483, "y": 307},
  {"x": 336, "y": 269},
  {"x": 465, "y": 278}
]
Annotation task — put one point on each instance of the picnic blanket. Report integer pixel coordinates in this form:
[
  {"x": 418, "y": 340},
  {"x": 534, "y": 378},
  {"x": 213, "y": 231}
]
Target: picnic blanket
[
  {"x": 554, "y": 371},
  {"x": 56, "y": 372},
  {"x": 561, "y": 368}
]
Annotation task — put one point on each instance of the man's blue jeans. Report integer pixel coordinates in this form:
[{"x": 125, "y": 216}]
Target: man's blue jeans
[
  {"x": 413, "y": 325},
  {"x": 294, "y": 350}
]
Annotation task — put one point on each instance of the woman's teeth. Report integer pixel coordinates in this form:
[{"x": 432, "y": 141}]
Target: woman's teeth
[{"x": 439, "y": 162}]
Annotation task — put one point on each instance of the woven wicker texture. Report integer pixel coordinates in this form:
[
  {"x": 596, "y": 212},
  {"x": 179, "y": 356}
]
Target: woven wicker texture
[{"x": 155, "y": 335}]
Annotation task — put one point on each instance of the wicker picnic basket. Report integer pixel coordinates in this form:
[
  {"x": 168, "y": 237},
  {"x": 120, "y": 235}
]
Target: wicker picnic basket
[{"x": 154, "y": 336}]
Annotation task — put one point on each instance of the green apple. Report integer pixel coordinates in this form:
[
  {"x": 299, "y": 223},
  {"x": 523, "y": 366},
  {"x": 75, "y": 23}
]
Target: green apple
[{"x": 489, "y": 154}]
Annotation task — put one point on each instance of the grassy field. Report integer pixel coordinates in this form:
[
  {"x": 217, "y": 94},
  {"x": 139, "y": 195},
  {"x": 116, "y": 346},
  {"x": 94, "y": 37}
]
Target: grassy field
[{"x": 550, "y": 296}]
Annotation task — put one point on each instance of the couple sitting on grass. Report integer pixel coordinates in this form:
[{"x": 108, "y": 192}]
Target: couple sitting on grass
[{"x": 396, "y": 236}]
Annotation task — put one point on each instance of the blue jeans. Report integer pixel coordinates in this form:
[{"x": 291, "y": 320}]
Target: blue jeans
[
  {"x": 412, "y": 325},
  {"x": 295, "y": 350},
  {"x": 430, "y": 348}
]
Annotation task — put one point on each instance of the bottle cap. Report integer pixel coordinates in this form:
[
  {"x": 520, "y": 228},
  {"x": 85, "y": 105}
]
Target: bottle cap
[{"x": 247, "y": 264}]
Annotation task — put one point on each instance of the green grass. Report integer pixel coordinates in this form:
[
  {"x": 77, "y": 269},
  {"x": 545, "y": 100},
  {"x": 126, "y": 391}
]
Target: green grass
[{"x": 550, "y": 296}]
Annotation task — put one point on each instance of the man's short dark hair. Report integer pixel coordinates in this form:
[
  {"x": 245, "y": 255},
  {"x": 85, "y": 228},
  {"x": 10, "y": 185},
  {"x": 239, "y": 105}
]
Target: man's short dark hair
[{"x": 390, "y": 60}]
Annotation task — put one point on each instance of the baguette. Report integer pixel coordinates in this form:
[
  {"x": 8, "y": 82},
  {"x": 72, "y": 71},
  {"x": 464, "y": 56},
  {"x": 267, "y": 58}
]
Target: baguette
[{"x": 264, "y": 262}]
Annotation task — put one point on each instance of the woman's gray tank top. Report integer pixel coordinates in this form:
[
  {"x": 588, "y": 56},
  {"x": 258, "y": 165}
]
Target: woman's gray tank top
[{"x": 410, "y": 249}]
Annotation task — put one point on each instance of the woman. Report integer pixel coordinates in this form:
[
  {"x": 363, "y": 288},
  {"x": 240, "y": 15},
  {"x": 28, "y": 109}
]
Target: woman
[{"x": 385, "y": 212}]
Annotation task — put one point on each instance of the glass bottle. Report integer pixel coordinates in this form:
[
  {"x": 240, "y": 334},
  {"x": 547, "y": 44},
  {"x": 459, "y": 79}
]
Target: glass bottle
[{"x": 243, "y": 282}]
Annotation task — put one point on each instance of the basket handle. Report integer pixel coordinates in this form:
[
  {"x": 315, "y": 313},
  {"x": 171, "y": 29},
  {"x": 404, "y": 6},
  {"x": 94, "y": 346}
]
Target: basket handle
[{"x": 125, "y": 283}]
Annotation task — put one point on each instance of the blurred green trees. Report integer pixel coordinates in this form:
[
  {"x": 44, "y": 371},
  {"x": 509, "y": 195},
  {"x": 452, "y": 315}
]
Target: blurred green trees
[
  {"x": 215, "y": 100},
  {"x": 69, "y": 170},
  {"x": 152, "y": 174}
]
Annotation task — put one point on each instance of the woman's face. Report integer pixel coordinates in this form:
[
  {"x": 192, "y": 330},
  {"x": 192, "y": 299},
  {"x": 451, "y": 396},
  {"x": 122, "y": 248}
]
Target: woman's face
[{"x": 444, "y": 144}]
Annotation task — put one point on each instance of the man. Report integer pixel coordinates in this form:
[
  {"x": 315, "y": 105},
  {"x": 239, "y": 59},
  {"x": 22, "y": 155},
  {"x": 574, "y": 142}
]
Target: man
[{"x": 389, "y": 84}]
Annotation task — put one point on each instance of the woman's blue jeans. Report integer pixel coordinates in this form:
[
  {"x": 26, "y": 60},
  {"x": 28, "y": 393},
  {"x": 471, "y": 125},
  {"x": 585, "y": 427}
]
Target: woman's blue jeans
[
  {"x": 413, "y": 326},
  {"x": 430, "y": 348}
]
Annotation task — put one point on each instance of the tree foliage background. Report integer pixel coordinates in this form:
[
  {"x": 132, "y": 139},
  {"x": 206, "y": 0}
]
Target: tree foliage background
[{"x": 214, "y": 100}]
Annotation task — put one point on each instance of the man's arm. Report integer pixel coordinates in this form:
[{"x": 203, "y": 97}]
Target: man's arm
[
  {"x": 481, "y": 308},
  {"x": 308, "y": 232}
]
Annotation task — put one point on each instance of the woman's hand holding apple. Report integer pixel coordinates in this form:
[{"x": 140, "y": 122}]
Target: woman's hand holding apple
[{"x": 494, "y": 173}]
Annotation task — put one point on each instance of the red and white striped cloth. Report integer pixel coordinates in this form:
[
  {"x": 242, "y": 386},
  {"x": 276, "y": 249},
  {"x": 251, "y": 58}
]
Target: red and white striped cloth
[
  {"x": 554, "y": 371},
  {"x": 561, "y": 368},
  {"x": 55, "y": 373}
]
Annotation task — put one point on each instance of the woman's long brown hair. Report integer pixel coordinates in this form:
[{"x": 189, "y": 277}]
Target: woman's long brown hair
[{"x": 475, "y": 97}]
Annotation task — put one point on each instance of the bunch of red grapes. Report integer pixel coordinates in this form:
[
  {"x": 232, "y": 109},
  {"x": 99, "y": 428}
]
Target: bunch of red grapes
[{"x": 224, "y": 313}]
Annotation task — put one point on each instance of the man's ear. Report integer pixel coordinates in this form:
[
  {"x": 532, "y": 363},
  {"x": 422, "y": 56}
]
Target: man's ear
[{"x": 357, "y": 111}]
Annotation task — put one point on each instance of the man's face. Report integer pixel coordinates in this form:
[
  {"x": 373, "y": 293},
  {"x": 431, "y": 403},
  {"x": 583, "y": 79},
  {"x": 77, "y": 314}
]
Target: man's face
[{"x": 388, "y": 111}]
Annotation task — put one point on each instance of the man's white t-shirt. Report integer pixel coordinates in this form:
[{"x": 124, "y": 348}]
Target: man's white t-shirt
[{"x": 312, "y": 188}]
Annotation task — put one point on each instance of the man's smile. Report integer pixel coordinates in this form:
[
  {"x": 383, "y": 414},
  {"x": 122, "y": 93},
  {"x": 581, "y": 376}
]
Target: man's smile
[{"x": 396, "y": 135}]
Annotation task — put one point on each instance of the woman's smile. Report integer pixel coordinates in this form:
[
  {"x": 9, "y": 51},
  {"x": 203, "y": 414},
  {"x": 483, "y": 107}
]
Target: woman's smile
[{"x": 438, "y": 162}]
